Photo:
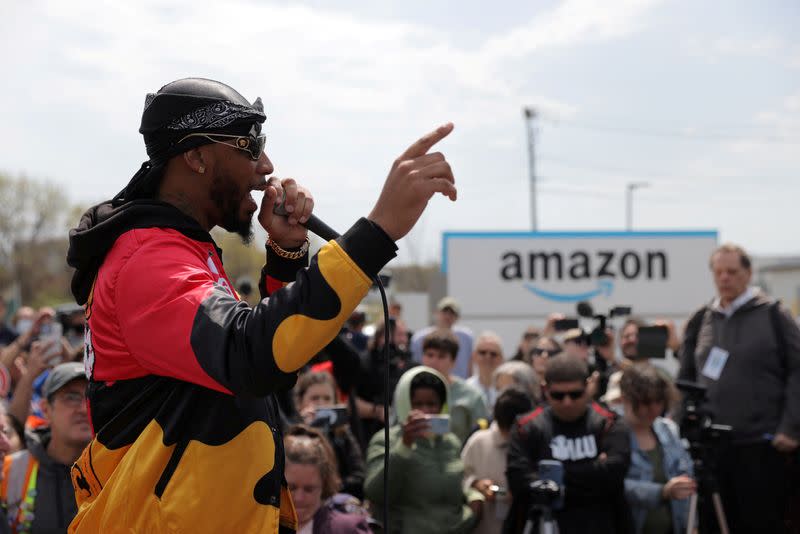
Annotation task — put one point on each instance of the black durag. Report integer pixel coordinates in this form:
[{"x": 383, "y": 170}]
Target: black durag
[{"x": 180, "y": 108}]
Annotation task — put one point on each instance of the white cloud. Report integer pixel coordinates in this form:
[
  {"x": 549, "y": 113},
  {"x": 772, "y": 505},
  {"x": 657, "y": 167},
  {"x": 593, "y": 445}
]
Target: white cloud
[
  {"x": 332, "y": 62},
  {"x": 572, "y": 22},
  {"x": 770, "y": 47},
  {"x": 326, "y": 76}
]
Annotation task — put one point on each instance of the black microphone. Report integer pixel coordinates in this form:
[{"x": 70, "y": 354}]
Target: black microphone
[
  {"x": 585, "y": 309},
  {"x": 313, "y": 224}
]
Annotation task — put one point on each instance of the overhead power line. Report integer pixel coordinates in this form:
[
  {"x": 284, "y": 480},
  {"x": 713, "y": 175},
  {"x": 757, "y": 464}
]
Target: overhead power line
[
  {"x": 687, "y": 177},
  {"x": 685, "y": 134}
]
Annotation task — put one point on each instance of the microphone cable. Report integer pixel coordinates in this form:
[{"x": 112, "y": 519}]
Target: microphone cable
[{"x": 319, "y": 228}]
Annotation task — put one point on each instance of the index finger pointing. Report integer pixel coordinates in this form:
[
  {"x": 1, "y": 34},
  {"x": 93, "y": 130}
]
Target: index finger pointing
[{"x": 424, "y": 143}]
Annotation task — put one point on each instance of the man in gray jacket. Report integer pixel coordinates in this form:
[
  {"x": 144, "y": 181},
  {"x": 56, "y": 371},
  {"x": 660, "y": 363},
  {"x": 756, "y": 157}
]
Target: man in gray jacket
[{"x": 745, "y": 348}]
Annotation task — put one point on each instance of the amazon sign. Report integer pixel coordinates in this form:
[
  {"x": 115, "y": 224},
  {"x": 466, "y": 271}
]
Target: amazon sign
[{"x": 522, "y": 274}]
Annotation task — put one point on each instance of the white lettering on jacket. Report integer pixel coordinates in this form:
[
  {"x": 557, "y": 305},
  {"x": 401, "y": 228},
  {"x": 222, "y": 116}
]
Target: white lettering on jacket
[
  {"x": 580, "y": 448},
  {"x": 220, "y": 280}
]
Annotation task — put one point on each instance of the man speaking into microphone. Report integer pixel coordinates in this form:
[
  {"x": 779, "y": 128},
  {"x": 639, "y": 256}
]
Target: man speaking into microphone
[{"x": 181, "y": 372}]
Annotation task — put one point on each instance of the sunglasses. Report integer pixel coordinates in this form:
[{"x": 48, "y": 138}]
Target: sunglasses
[
  {"x": 252, "y": 145},
  {"x": 548, "y": 352},
  {"x": 560, "y": 395}
]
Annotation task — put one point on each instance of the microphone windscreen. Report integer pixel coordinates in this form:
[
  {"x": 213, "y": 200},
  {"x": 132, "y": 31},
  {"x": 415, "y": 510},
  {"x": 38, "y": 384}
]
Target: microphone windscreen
[{"x": 585, "y": 309}]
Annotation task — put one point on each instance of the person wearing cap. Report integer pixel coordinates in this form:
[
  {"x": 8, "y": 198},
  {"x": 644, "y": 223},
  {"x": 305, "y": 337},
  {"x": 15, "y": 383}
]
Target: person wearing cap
[
  {"x": 36, "y": 491},
  {"x": 576, "y": 343},
  {"x": 448, "y": 311},
  {"x": 182, "y": 374}
]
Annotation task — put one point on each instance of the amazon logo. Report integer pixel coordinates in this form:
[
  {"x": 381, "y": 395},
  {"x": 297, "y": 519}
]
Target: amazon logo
[{"x": 536, "y": 268}]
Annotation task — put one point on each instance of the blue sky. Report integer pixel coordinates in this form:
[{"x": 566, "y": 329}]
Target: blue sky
[{"x": 699, "y": 99}]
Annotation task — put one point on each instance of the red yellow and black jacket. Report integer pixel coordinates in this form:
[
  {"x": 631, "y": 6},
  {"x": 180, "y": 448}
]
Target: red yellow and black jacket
[{"x": 182, "y": 373}]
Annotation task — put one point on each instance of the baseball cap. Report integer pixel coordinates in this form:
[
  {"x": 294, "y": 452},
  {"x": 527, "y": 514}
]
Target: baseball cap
[
  {"x": 575, "y": 334},
  {"x": 61, "y": 375},
  {"x": 449, "y": 303}
]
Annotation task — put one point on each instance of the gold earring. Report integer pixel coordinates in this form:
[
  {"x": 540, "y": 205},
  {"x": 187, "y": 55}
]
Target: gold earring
[{"x": 201, "y": 170}]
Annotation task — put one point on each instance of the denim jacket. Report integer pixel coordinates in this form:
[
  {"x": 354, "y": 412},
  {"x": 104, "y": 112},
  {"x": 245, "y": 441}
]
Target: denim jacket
[{"x": 642, "y": 493}]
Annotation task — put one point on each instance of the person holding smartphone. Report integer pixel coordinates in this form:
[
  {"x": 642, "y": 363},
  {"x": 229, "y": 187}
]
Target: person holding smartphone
[
  {"x": 425, "y": 486},
  {"x": 484, "y": 457},
  {"x": 315, "y": 395}
]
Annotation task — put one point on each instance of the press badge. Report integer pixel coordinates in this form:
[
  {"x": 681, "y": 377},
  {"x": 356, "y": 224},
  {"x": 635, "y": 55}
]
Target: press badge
[{"x": 715, "y": 363}]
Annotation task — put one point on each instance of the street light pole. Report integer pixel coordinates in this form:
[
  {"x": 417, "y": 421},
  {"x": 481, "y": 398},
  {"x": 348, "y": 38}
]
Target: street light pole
[
  {"x": 530, "y": 114},
  {"x": 630, "y": 188}
]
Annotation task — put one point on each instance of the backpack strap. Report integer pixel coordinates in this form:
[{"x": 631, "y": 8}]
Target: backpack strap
[
  {"x": 780, "y": 338},
  {"x": 687, "y": 369}
]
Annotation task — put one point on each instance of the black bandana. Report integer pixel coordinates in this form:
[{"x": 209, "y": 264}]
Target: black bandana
[{"x": 182, "y": 107}]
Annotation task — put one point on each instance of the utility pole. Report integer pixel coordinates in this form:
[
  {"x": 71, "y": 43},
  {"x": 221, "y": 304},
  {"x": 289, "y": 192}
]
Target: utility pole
[
  {"x": 530, "y": 115},
  {"x": 629, "y": 189}
]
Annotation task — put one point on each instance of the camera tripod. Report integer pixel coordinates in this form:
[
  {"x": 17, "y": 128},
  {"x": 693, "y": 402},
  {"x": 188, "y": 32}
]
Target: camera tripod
[
  {"x": 699, "y": 513},
  {"x": 540, "y": 514}
]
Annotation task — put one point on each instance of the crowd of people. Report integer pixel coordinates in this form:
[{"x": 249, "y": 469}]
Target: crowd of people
[
  {"x": 469, "y": 424},
  {"x": 165, "y": 403}
]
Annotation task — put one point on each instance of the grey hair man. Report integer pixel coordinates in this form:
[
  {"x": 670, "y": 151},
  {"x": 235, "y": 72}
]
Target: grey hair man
[{"x": 744, "y": 347}]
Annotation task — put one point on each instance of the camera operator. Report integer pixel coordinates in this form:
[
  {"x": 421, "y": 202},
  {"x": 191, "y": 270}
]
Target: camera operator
[
  {"x": 578, "y": 343},
  {"x": 595, "y": 347},
  {"x": 629, "y": 346},
  {"x": 745, "y": 349},
  {"x": 591, "y": 442}
]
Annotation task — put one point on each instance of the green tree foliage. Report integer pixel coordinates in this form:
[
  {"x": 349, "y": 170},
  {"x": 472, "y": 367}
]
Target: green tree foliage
[{"x": 34, "y": 219}]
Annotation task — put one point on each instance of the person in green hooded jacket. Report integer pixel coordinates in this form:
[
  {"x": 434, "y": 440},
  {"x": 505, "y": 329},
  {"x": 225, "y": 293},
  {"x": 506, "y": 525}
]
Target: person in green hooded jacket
[{"x": 425, "y": 468}]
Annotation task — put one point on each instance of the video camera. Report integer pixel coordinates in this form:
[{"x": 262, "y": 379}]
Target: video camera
[
  {"x": 598, "y": 336},
  {"x": 546, "y": 496},
  {"x": 697, "y": 423},
  {"x": 706, "y": 439},
  {"x": 548, "y": 489}
]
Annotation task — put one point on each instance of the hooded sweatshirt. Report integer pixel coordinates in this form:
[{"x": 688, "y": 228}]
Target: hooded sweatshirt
[
  {"x": 182, "y": 373},
  {"x": 758, "y": 390},
  {"x": 425, "y": 480}
]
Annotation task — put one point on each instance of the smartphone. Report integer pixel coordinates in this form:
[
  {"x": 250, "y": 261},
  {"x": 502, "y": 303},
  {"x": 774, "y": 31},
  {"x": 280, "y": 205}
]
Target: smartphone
[
  {"x": 553, "y": 470},
  {"x": 50, "y": 333},
  {"x": 439, "y": 424},
  {"x": 498, "y": 490},
  {"x": 562, "y": 325},
  {"x": 619, "y": 311},
  {"x": 652, "y": 342},
  {"x": 330, "y": 416}
]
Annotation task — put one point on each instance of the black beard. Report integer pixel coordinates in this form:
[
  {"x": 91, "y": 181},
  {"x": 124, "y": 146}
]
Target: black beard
[{"x": 227, "y": 197}]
